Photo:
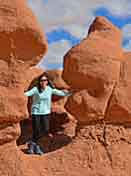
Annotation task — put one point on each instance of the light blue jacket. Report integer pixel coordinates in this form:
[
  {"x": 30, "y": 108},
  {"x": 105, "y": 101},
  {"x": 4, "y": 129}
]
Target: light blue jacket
[{"x": 42, "y": 101}]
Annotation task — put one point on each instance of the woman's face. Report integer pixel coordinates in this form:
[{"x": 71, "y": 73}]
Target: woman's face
[{"x": 43, "y": 82}]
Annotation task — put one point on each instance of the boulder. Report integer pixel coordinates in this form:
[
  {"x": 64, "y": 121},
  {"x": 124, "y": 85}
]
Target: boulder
[
  {"x": 9, "y": 132},
  {"x": 86, "y": 108}
]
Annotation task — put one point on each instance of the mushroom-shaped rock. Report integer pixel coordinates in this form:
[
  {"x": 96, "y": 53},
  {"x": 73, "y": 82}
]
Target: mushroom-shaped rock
[{"x": 22, "y": 44}]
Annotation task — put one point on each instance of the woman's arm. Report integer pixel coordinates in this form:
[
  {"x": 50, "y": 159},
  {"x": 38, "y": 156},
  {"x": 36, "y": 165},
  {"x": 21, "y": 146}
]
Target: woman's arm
[
  {"x": 60, "y": 92},
  {"x": 30, "y": 92}
]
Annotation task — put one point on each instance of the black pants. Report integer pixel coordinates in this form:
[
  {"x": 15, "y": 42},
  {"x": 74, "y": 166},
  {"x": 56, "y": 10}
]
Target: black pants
[{"x": 40, "y": 126}]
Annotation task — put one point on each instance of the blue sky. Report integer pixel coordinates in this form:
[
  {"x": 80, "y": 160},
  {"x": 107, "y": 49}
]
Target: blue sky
[{"x": 66, "y": 23}]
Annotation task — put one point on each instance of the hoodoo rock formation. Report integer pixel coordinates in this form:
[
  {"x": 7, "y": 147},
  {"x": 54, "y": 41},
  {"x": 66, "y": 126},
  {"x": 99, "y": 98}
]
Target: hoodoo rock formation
[
  {"x": 98, "y": 69},
  {"x": 22, "y": 44},
  {"x": 99, "y": 72}
]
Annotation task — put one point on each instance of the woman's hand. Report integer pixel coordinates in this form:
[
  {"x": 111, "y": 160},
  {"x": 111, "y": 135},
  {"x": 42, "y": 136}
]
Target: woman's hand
[{"x": 67, "y": 92}]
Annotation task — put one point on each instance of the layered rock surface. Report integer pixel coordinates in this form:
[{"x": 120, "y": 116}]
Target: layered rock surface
[{"x": 96, "y": 150}]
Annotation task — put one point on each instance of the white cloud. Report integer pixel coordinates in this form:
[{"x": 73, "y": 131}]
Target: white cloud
[
  {"x": 54, "y": 14},
  {"x": 63, "y": 13},
  {"x": 75, "y": 17},
  {"x": 55, "y": 54},
  {"x": 119, "y": 7}
]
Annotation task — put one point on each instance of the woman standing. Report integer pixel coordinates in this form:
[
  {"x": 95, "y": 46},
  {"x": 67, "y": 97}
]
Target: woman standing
[{"x": 41, "y": 109}]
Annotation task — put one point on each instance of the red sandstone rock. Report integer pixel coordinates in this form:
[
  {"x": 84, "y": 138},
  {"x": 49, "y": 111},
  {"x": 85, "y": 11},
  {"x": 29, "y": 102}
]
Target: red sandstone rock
[
  {"x": 10, "y": 160},
  {"x": 9, "y": 132},
  {"x": 119, "y": 109},
  {"x": 106, "y": 29},
  {"x": 96, "y": 150},
  {"x": 86, "y": 108},
  {"x": 93, "y": 64},
  {"x": 103, "y": 76},
  {"x": 20, "y": 34},
  {"x": 92, "y": 69},
  {"x": 56, "y": 77},
  {"x": 22, "y": 44}
]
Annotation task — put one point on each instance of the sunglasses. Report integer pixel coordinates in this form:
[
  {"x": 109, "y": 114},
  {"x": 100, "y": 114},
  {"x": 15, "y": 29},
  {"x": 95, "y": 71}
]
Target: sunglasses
[{"x": 43, "y": 80}]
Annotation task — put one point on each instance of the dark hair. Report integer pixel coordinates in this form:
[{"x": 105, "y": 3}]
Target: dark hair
[{"x": 49, "y": 81}]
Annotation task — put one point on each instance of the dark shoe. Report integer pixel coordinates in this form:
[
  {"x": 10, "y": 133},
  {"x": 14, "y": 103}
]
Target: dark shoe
[
  {"x": 30, "y": 151},
  {"x": 38, "y": 150},
  {"x": 31, "y": 147}
]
